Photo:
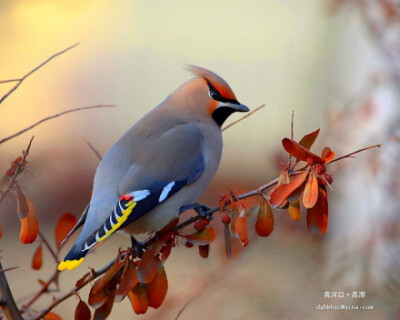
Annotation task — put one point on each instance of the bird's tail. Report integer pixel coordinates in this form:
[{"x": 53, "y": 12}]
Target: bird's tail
[{"x": 73, "y": 259}]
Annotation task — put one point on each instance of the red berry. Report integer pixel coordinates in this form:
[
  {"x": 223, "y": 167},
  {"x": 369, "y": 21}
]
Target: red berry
[
  {"x": 206, "y": 222},
  {"x": 188, "y": 244},
  {"x": 320, "y": 169},
  {"x": 10, "y": 172},
  {"x": 226, "y": 219},
  {"x": 199, "y": 225},
  {"x": 310, "y": 161}
]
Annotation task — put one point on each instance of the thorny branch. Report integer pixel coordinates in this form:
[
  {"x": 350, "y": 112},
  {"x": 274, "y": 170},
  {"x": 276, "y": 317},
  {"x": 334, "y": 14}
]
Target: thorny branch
[
  {"x": 19, "y": 81},
  {"x": 7, "y": 302}
]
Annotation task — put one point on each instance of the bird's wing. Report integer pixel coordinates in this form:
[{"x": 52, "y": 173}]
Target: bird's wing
[{"x": 174, "y": 160}]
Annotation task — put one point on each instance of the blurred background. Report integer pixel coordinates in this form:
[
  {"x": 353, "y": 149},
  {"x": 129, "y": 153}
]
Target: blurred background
[{"x": 335, "y": 63}]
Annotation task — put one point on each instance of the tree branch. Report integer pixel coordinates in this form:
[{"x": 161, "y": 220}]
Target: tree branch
[
  {"x": 7, "y": 302},
  {"x": 19, "y": 81},
  {"x": 52, "y": 117}
]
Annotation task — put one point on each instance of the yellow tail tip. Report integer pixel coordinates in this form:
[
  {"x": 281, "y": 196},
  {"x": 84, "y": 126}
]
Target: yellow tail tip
[{"x": 69, "y": 264}]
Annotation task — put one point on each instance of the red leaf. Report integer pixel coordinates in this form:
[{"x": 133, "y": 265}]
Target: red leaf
[
  {"x": 51, "y": 316},
  {"x": 138, "y": 298},
  {"x": 284, "y": 191},
  {"x": 327, "y": 155},
  {"x": 265, "y": 220},
  {"x": 82, "y": 311},
  {"x": 157, "y": 288},
  {"x": 110, "y": 274},
  {"x": 317, "y": 216},
  {"x": 204, "y": 251},
  {"x": 83, "y": 279},
  {"x": 166, "y": 250},
  {"x": 308, "y": 140},
  {"x": 310, "y": 195},
  {"x": 128, "y": 281},
  {"x": 241, "y": 230},
  {"x": 294, "y": 209},
  {"x": 22, "y": 204},
  {"x": 37, "y": 259},
  {"x": 147, "y": 266},
  {"x": 29, "y": 225},
  {"x": 64, "y": 225},
  {"x": 104, "y": 311},
  {"x": 202, "y": 237},
  {"x": 296, "y": 150}
]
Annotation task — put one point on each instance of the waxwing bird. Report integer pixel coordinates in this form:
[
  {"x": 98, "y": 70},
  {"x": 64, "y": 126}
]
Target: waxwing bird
[{"x": 160, "y": 166}]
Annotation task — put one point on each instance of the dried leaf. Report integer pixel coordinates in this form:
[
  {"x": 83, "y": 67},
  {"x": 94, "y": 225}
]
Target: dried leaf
[
  {"x": 64, "y": 225},
  {"x": 228, "y": 241},
  {"x": 317, "y": 216},
  {"x": 29, "y": 225},
  {"x": 37, "y": 259},
  {"x": 138, "y": 298},
  {"x": 147, "y": 266},
  {"x": 284, "y": 191},
  {"x": 241, "y": 230},
  {"x": 109, "y": 275},
  {"x": 22, "y": 204},
  {"x": 296, "y": 150},
  {"x": 82, "y": 311},
  {"x": 166, "y": 250},
  {"x": 265, "y": 220},
  {"x": 204, "y": 251},
  {"x": 128, "y": 281},
  {"x": 52, "y": 316},
  {"x": 202, "y": 237},
  {"x": 294, "y": 209},
  {"x": 327, "y": 155},
  {"x": 253, "y": 211},
  {"x": 157, "y": 288},
  {"x": 311, "y": 191},
  {"x": 104, "y": 311},
  {"x": 308, "y": 140},
  {"x": 234, "y": 216},
  {"x": 83, "y": 279}
]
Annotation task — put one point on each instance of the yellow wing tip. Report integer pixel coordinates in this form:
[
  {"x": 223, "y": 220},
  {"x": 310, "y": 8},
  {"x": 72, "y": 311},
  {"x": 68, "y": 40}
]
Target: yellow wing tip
[{"x": 69, "y": 264}]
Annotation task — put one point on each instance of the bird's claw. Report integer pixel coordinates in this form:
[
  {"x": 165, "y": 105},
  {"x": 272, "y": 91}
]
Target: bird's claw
[
  {"x": 137, "y": 247},
  {"x": 201, "y": 209}
]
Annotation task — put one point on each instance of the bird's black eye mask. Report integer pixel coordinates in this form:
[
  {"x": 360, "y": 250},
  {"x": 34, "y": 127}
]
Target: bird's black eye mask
[{"x": 214, "y": 94}]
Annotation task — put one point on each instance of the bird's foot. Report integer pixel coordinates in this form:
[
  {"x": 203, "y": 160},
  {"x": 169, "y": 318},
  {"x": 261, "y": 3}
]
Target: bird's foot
[
  {"x": 137, "y": 247},
  {"x": 201, "y": 209}
]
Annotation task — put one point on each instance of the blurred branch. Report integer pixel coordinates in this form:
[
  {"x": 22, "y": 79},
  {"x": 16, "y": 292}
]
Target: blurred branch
[
  {"x": 19, "y": 81},
  {"x": 7, "y": 302},
  {"x": 52, "y": 117},
  {"x": 355, "y": 152},
  {"x": 97, "y": 153},
  {"x": 244, "y": 117}
]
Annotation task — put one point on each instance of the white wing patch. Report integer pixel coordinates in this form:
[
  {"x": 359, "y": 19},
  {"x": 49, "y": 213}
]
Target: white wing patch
[
  {"x": 166, "y": 191},
  {"x": 88, "y": 247},
  {"x": 139, "y": 195}
]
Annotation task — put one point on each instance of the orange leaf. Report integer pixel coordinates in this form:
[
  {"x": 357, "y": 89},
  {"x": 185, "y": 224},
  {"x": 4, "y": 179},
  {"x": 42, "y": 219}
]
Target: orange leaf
[
  {"x": 310, "y": 195},
  {"x": 51, "y": 316},
  {"x": 166, "y": 250},
  {"x": 138, "y": 298},
  {"x": 22, "y": 204},
  {"x": 128, "y": 281},
  {"x": 202, "y": 237},
  {"x": 157, "y": 288},
  {"x": 265, "y": 220},
  {"x": 296, "y": 150},
  {"x": 204, "y": 251},
  {"x": 64, "y": 225},
  {"x": 29, "y": 225},
  {"x": 317, "y": 216},
  {"x": 327, "y": 155},
  {"x": 241, "y": 230},
  {"x": 294, "y": 209},
  {"x": 37, "y": 259},
  {"x": 308, "y": 140},
  {"x": 147, "y": 267},
  {"x": 104, "y": 311},
  {"x": 284, "y": 191},
  {"x": 82, "y": 311}
]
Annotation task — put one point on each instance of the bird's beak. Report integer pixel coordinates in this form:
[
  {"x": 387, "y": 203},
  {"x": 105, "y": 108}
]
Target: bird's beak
[{"x": 239, "y": 107}]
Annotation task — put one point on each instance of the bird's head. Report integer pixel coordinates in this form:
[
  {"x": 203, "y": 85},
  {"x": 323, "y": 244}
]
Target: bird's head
[{"x": 208, "y": 95}]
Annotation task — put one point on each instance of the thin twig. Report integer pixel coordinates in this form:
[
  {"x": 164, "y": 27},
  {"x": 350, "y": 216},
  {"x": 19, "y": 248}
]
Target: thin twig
[
  {"x": 10, "y": 80},
  {"x": 8, "y": 304},
  {"x": 8, "y": 269},
  {"x": 182, "y": 309},
  {"x": 52, "y": 117},
  {"x": 19, "y": 81},
  {"x": 355, "y": 152},
  {"x": 97, "y": 153},
  {"x": 244, "y": 117},
  {"x": 48, "y": 246}
]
